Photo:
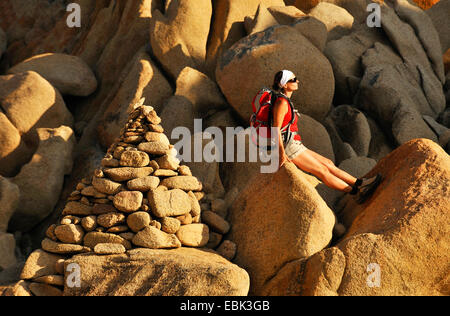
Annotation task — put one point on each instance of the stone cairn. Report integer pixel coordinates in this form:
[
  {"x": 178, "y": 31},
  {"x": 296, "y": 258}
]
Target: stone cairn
[{"x": 141, "y": 197}]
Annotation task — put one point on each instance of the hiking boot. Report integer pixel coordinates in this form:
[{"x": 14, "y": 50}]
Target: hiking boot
[{"x": 367, "y": 188}]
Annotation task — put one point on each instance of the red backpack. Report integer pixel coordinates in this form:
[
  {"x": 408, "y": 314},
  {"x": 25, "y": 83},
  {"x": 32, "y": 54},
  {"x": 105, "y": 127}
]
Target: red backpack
[{"x": 262, "y": 118}]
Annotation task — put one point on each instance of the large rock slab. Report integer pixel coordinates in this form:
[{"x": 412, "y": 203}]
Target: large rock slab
[
  {"x": 30, "y": 102},
  {"x": 397, "y": 241},
  {"x": 272, "y": 231},
  {"x": 406, "y": 222},
  {"x": 253, "y": 61},
  {"x": 41, "y": 180},
  {"x": 148, "y": 272},
  {"x": 69, "y": 74}
]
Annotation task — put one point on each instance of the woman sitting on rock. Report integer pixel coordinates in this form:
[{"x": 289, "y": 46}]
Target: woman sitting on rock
[{"x": 292, "y": 149}]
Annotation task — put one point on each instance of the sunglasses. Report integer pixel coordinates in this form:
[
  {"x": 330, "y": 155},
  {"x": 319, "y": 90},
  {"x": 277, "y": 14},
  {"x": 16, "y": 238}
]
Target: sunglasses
[{"x": 293, "y": 80}]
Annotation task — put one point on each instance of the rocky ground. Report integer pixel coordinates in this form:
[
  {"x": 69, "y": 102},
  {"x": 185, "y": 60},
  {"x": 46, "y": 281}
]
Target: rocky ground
[{"x": 89, "y": 177}]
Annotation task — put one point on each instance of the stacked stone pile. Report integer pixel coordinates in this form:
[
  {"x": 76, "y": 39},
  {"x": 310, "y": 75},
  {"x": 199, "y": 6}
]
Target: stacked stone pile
[{"x": 141, "y": 197}]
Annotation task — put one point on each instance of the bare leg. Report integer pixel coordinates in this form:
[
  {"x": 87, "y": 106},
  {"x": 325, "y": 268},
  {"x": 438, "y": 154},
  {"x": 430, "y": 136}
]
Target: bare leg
[
  {"x": 309, "y": 163},
  {"x": 341, "y": 174}
]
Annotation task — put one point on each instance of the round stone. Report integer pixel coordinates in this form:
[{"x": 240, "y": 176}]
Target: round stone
[
  {"x": 70, "y": 234},
  {"x": 109, "y": 249},
  {"x": 110, "y": 219},
  {"x": 193, "y": 235},
  {"x": 227, "y": 250},
  {"x": 128, "y": 201},
  {"x": 138, "y": 221},
  {"x": 170, "y": 225},
  {"x": 143, "y": 184},
  {"x": 134, "y": 159}
]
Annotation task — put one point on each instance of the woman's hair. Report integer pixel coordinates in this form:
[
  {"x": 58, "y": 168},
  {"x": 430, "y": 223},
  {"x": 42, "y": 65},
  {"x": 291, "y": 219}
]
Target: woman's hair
[{"x": 276, "y": 81}]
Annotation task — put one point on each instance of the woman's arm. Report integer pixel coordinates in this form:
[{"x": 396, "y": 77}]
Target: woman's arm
[{"x": 280, "y": 109}]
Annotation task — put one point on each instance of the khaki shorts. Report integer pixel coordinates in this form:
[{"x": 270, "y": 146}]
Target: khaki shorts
[{"x": 294, "y": 148}]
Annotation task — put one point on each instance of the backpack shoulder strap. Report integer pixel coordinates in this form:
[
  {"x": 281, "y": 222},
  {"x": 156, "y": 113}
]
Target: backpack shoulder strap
[
  {"x": 273, "y": 98},
  {"x": 291, "y": 105}
]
